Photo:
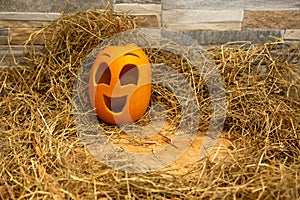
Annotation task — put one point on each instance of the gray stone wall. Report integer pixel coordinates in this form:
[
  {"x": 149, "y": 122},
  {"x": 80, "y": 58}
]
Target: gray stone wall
[{"x": 49, "y": 5}]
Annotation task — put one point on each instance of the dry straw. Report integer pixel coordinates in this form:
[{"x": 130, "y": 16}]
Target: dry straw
[{"x": 42, "y": 158}]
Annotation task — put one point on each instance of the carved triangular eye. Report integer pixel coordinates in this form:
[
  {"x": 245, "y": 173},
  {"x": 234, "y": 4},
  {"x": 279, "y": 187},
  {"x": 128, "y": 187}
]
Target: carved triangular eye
[
  {"x": 103, "y": 74},
  {"x": 129, "y": 75}
]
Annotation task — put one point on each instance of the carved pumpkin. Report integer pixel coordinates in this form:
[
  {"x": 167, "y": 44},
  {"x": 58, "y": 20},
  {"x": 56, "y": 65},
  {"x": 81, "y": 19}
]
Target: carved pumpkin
[{"x": 120, "y": 84}]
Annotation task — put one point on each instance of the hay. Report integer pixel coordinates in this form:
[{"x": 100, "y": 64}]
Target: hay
[{"x": 42, "y": 158}]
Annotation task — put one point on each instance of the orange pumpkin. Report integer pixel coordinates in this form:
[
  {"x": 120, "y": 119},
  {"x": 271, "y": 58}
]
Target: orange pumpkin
[{"x": 120, "y": 84}]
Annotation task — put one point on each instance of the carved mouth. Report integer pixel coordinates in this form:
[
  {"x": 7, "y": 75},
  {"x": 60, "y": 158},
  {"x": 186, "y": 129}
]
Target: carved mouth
[{"x": 115, "y": 104}]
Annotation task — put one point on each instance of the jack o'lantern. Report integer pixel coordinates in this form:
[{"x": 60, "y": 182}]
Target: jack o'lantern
[{"x": 120, "y": 84}]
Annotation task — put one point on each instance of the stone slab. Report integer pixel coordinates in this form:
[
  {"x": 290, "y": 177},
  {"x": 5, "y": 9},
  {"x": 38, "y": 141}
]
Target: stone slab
[
  {"x": 149, "y": 15},
  {"x": 4, "y": 40},
  {"x": 28, "y": 16},
  {"x": 272, "y": 4},
  {"x": 15, "y": 54},
  {"x": 206, "y": 26},
  {"x": 5, "y": 36},
  {"x": 4, "y": 31},
  {"x": 50, "y": 5},
  {"x": 203, "y": 4},
  {"x": 138, "y": 8},
  {"x": 281, "y": 19},
  {"x": 22, "y": 24},
  {"x": 231, "y": 4},
  {"x": 138, "y": 1},
  {"x": 201, "y": 16},
  {"x": 20, "y": 35},
  {"x": 9, "y": 58},
  {"x": 212, "y": 37},
  {"x": 5, "y": 50},
  {"x": 292, "y": 34},
  {"x": 147, "y": 20}
]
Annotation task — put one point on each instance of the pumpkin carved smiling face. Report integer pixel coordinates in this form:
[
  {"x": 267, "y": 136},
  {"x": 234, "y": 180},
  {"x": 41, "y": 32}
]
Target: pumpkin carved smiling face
[{"x": 120, "y": 84}]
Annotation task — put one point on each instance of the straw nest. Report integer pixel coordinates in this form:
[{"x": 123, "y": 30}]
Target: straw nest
[{"x": 42, "y": 157}]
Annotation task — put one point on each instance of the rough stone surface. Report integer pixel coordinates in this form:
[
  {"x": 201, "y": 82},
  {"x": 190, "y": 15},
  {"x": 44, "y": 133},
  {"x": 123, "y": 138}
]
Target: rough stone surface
[
  {"x": 5, "y": 36},
  {"x": 22, "y": 23},
  {"x": 148, "y": 20},
  {"x": 210, "y": 37},
  {"x": 232, "y": 4},
  {"x": 20, "y": 35},
  {"x": 206, "y": 26},
  {"x": 49, "y": 5},
  {"x": 281, "y": 19},
  {"x": 138, "y": 1},
  {"x": 12, "y": 55},
  {"x": 292, "y": 34},
  {"x": 203, "y": 4},
  {"x": 28, "y": 16},
  {"x": 200, "y": 16},
  {"x": 139, "y": 8},
  {"x": 272, "y": 4}
]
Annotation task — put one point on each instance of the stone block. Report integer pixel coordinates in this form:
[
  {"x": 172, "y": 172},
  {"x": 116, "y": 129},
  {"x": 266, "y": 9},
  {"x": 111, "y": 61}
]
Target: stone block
[
  {"x": 292, "y": 34},
  {"x": 20, "y": 35},
  {"x": 148, "y": 20},
  {"x": 28, "y": 16},
  {"x": 4, "y": 32},
  {"x": 149, "y": 15},
  {"x": 271, "y": 19},
  {"x": 186, "y": 16},
  {"x": 50, "y": 5},
  {"x": 272, "y": 4},
  {"x": 11, "y": 55},
  {"x": 213, "y": 37},
  {"x": 16, "y": 54},
  {"x": 203, "y": 4},
  {"x": 5, "y": 36},
  {"x": 138, "y": 1},
  {"x": 231, "y": 4},
  {"x": 206, "y": 26},
  {"x": 23, "y": 24},
  {"x": 139, "y": 8}
]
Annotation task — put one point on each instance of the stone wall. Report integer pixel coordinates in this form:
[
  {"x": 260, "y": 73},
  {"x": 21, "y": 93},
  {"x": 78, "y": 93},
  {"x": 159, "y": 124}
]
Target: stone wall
[
  {"x": 208, "y": 21},
  {"x": 55, "y": 6}
]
